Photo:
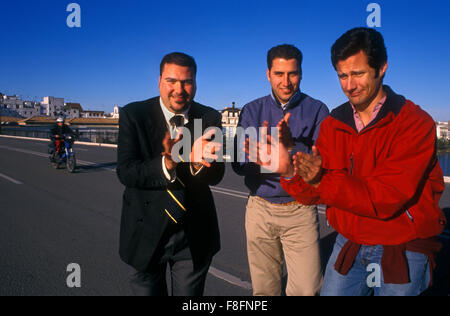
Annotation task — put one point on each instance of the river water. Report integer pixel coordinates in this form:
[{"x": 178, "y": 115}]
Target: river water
[{"x": 444, "y": 160}]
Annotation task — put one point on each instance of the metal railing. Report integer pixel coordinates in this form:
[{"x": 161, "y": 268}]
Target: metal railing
[{"x": 85, "y": 135}]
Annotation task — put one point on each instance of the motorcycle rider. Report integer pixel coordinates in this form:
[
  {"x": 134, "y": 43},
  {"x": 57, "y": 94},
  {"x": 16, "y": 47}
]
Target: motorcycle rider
[{"x": 57, "y": 132}]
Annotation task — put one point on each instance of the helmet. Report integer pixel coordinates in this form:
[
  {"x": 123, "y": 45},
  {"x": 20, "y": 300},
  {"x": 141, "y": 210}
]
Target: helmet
[{"x": 60, "y": 120}]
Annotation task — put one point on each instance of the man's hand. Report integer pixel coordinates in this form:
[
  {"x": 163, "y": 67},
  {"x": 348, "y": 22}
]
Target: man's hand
[
  {"x": 168, "y": 144},
  {"x": 273, "y": 154},
  {"x": 309, "y": 167},
  {"x": 285, "y": 132},
  {"x": 204, "y": 151}
]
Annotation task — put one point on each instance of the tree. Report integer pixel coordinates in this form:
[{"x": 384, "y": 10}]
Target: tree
[{"x": 443, "y": 143}]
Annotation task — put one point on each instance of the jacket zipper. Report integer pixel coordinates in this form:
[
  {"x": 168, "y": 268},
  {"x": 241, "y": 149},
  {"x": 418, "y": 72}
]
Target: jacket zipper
[
  {"x": 410, "y": 216},
  {"x": 351, "y": 164}
]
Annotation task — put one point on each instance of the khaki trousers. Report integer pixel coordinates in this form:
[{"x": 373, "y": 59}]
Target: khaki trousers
[{"x": 276, "y": 229}]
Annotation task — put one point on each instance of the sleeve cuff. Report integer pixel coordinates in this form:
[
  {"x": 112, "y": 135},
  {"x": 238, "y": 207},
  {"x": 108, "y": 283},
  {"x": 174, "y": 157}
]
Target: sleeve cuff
[
  {"x": 171, "y": 177},
  {"x": 193, "y": 172},
  {"x": 290, "y": 178}
]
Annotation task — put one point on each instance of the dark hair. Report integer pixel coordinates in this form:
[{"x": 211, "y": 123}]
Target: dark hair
[
  {"x": 284, "y": 51},
  {"x": 179, "y": 59},
  {"x": 364, "y": 39}
]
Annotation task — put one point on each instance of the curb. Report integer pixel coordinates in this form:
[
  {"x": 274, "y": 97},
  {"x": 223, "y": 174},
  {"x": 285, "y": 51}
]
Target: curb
[
  {"x": 26, "y": 138},
  {"x": 47, "y": 140}
]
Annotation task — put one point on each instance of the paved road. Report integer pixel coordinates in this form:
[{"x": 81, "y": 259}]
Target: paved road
[{"x": 50, "y": 218}]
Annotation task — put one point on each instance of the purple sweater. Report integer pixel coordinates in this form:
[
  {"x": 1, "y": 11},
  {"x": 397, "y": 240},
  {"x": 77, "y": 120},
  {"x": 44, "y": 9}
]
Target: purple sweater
[{"x": 306, "y": 116}]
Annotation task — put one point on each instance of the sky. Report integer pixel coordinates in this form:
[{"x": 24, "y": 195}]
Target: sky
[{"x": 114, "y": 57}]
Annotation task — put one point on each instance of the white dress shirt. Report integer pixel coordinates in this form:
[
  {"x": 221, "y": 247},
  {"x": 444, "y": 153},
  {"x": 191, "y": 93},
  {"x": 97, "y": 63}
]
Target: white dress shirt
[{"x": 172, "y": 176}]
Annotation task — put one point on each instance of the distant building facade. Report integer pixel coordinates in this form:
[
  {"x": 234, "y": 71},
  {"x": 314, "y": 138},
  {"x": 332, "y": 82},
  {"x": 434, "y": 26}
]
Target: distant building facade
[
  {"x": 72, "y": 110},
  {"x": 442, "y": 129},
  {"x": 51, "y": 107},
  {"x": 116, "y": 113},
  {"x": 93, "y": 114},
  {"x": 14, "y": 106},
  {"x": 230, "y": 120}
]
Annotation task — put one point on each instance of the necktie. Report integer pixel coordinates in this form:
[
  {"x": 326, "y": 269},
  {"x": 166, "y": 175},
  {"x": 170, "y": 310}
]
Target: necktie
[
  {"x": 177, "y": 121},
  {"x": 176, "y": 209}
]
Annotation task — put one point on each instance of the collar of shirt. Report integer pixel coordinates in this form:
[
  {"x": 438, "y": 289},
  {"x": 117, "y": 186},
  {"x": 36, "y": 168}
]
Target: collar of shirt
[
  {"x": 358, "y": 121},
  {"x": 168, "y": 115},
  {"x": 291, "y": 101}
]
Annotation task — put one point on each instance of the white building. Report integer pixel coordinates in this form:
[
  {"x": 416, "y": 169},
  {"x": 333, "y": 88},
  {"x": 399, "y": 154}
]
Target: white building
[
  {"x": 72, "y": 110},
  {"x": 92, "y": 114},
  {"x": 230, "y": 120},
  {"x": 53, "y": 107},
  {"x": 13, "y": 104},
  {"x": 116, "y": 113},
  {"x": 442, "y": 130},
  {"x": 30, "y": 109}
]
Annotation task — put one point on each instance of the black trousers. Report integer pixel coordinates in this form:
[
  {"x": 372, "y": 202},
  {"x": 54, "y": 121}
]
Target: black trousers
[{"x": 186, "y": 278}]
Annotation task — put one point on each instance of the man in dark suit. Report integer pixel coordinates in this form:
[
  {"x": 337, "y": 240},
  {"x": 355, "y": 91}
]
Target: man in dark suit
[{"x": 168, "y": 214}]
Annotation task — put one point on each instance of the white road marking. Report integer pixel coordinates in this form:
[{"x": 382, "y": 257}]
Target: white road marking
[
  {"x": 35, "y": 153},
  {"x": 240, "y": 195},
  {"x": 30, "y": 152},
  {"x": 229, "y": 190},
  {"x": 10, "y": 179},
  {"x": 230, "y": 278}
]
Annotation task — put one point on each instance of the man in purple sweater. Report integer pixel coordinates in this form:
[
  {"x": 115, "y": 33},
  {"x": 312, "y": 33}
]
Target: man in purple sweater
[{"x": 278, "y": 228}]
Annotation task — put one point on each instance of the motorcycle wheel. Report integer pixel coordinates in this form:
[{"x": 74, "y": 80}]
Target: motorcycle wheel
[{"x": 71, "y": 164}]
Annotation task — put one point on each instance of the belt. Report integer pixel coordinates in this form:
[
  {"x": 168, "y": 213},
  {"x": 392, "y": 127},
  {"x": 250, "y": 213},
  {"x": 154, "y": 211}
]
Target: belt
[{"x": 277, "y": 204}]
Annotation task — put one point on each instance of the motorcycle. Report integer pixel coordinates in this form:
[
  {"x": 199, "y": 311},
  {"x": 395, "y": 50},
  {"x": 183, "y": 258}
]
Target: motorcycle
[{"x": 63, "y": 153}]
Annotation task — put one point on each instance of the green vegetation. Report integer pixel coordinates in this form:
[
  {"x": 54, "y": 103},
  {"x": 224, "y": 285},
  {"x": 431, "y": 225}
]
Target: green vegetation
[{"x": 443, "y": 144}]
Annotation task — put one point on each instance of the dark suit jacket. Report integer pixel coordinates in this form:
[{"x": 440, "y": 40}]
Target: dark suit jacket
[{"x": 142, "y": 129}]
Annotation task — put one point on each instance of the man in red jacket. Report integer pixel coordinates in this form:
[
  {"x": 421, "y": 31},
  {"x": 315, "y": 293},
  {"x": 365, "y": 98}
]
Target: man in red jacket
[{"x": 375, "y": 167}]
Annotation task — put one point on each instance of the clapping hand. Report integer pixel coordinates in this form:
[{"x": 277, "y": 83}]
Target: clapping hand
[
  {"x": 273, "y": 153},
  {"x": 309, "y": 167},
  {"x": 168, "y": 144},
  {"x": 204, "y": 150}
]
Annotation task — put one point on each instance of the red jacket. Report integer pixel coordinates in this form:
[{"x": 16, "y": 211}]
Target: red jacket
[{"x": 382, "y": 186}]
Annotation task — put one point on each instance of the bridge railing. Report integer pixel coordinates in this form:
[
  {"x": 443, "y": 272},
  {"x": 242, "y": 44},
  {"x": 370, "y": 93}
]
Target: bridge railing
[{"x": 83, "y": 135}]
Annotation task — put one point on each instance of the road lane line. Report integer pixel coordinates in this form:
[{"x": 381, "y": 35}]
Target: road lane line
[
  {"x": 30, "y": 152},
  {"x": 230, "y": 278},
  {"x": 229, "y": 190},
  {"x": 10, "y": 179},
  {"x": 35, "y": 153},
  {"x": 230, "y": 194}
]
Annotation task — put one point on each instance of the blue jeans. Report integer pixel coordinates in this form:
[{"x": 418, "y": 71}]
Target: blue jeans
[{"x": 366, "y": 275}]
